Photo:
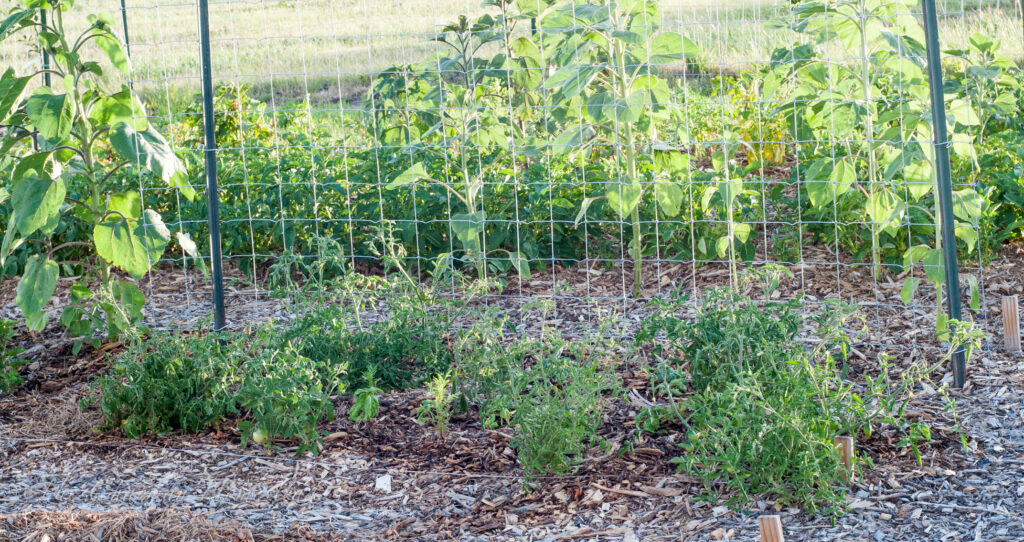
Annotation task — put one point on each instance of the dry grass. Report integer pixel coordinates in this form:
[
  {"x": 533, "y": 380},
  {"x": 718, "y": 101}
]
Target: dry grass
[
  {"x": 58, "y": 417},
  {"x": 154, "y": 525}
]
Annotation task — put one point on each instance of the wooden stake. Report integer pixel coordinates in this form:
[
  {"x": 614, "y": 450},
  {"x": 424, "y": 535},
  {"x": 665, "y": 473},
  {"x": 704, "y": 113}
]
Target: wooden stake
[
  {"x": 1011, "y": 323},
  {"x": 845, "y": 446},
  {"x": 771, "y": 529}
]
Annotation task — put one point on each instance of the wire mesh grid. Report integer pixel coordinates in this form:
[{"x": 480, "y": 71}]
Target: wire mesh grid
[{"x": 588, "y": 153}]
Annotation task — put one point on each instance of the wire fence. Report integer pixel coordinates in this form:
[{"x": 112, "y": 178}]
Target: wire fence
[{"x": 585, "y": 152}]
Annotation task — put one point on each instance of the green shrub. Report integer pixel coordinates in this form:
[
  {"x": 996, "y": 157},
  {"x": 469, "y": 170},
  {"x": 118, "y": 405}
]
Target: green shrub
[
  {"x": 9, "y": 378},
  {"x": 171, "y": 382},
  {"x": 286, "y": 394},
  {"x": 548, "y": 390},
  {"x": 402, "y": 350},
  {"x": 760, "y": 411},
  {"x": 188, "y": 383},
  {"x": 557, "y": 419}
]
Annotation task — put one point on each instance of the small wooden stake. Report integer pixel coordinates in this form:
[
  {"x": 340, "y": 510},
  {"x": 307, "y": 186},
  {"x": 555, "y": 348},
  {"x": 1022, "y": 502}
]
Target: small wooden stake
[
  {"x": 845, "y": 446},
  {"x": 1011, "y": 323},
  {"x": 771, "y": 529}
]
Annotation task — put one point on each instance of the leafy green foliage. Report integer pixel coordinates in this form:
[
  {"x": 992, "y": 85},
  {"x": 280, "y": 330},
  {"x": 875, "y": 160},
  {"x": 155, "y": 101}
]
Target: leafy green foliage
[
  {"x": 558, "y": 416},
  {"x": 366, "y": 405},
  {"x": 65, "y": 148},
  {"x": 170, "y": 383},
  {"x": 549, "y": 391},
  {"x": 285, "y": 393},
  {"x": 400, "y": 351},
  {"x": 882, "y": 99},
  {"x": 759, "y": 410},
  {"x": 609, "y": 56},
  {"x": 437, "y": 408},
  {"x": 9, "y": 364}
]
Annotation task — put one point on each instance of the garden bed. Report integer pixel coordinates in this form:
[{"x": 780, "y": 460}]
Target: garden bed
[{"x": 394, "y": 477}]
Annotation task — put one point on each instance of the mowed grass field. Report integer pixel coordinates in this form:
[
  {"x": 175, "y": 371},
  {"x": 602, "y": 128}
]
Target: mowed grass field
[{"x": 328, "y": 49}]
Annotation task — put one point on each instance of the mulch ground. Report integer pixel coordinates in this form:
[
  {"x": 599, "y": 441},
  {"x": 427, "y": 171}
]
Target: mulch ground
[{"x": 392, "y": 478}]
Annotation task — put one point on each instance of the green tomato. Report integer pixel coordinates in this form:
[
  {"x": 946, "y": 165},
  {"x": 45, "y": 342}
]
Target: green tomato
[{"x": 259, "y": 436}]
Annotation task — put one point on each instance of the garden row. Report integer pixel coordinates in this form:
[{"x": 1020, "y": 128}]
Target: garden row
[{"x": 752, "y": 410}]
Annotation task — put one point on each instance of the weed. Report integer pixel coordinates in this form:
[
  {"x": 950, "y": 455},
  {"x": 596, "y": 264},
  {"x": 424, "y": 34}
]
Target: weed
[
  {"x": 437, "y": 409},
  {"x": 366, "y": 406}
]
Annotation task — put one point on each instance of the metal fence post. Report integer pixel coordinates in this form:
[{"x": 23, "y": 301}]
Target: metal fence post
[
  {"x": 124, "y": 24},
  {"x": 943, "y": 177},
  {"x": 46, "y": 56},
  {"x": 210, "y": 154}
]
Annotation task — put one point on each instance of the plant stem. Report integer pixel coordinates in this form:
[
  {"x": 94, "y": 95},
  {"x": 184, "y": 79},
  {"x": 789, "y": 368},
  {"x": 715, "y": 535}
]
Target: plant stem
[
  {"x": 634, "y": 215},
  {"x": 870, "y": 127}
]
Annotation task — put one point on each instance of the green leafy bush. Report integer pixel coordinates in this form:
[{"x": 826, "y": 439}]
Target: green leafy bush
[
  {"x": 549, "y": 391},
  {"x": 759, "y": 409},
  {"x": 9, "y": 378},
  {"x": 188, "y": 383},
  {"x": 402, "y": 350},
  {"x": 66, "y": 145},
  {"x": 286, "y": 394},
  {"x": 280, "y": 381},
  {"x": 557, "y": 418},
  {"x": 171, "y": 382}
]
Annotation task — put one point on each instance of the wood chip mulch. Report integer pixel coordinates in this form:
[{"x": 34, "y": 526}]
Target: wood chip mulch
[{"x": 393, "y": 479}]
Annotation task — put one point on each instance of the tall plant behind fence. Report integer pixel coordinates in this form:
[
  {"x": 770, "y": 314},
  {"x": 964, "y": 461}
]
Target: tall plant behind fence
[{"x": 584, "y": 152}]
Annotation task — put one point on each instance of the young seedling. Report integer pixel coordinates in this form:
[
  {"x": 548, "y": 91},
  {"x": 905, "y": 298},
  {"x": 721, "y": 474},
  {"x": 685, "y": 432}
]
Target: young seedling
[{"x": 437, "y": 409}]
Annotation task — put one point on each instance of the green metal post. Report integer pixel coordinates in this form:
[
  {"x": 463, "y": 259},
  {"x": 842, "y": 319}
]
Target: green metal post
[
  {"x": 46, "y": 56},
  {"x": 943, "y": 177},
  {"x": 124, "y": 24},
  {"x": 210, "y": 154}
]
